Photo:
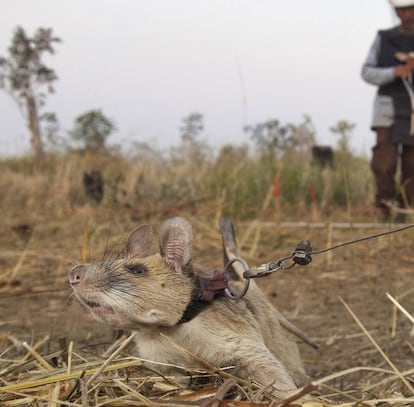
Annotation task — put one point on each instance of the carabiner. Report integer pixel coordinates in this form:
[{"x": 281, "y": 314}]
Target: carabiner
[{"x": 227, "y": 291}]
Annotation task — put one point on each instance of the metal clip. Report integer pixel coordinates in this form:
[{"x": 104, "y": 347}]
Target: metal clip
[
  {"x": 302, "y": 253},
  {"x": 262, "y": 270},
  {"x": 227, "y": 292}
]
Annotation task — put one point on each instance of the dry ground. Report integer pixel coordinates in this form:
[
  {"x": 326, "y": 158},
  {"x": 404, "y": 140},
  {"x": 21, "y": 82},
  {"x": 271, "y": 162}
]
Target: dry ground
[{"x": 35, "y": 300}]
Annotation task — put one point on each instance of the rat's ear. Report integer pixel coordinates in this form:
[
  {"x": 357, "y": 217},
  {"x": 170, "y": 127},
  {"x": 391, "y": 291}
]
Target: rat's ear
[
  {"x": 139, "y": 242},
  {"x": 176, "y": 239}
]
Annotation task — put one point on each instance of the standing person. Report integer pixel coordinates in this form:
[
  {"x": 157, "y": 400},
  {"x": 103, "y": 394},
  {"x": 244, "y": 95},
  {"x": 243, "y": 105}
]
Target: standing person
[{"x": 392, "y": 110}]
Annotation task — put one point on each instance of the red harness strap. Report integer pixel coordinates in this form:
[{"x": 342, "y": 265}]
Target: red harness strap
[
  {"x": 209, "y": 289},
  {"x": 213, "y": 287}
]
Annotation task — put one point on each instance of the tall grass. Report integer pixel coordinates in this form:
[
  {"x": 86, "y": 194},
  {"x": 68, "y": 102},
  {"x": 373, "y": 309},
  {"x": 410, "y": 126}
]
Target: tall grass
[{"x": 236, "y": 179}]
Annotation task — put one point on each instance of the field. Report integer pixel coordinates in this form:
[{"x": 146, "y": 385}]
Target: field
[{"x": 48, "y": 225}]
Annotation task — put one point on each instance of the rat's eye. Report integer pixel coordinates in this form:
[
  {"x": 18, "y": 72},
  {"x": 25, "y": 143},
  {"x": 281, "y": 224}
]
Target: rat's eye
[{"x": 137, "y": 269}]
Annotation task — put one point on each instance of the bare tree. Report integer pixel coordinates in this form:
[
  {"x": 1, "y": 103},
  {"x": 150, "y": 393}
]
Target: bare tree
[{"x": 25, "y": 77}]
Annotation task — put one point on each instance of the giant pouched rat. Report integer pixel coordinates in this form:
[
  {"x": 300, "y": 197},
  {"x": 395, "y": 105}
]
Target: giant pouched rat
[{"x": 166, "y": 293}]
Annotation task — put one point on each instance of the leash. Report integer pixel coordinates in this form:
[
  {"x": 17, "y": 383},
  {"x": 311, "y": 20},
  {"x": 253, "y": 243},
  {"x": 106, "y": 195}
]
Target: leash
[
  {"x": 410, "y": 90},
  {"x": 408, "y": 84},
  {"x": 302, "y": 255}
]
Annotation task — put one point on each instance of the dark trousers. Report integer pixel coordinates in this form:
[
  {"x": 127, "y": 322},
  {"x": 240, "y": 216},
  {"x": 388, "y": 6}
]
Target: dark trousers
[{"x": 384, "y": 165}]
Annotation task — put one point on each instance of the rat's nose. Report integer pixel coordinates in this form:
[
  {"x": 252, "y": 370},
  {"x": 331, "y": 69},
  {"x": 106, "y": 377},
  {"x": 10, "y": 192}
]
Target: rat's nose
[{"x": 76, "y": 274}]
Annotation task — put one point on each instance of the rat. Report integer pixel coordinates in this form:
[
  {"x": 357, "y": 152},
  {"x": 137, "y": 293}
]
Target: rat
[{"x": 159, "y": 294}]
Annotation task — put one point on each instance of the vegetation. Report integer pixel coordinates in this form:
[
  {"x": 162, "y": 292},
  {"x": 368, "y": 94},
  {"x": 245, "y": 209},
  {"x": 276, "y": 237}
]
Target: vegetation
[
  {"x": 25, "y": 77},
  {"x": 237, "y": 181},
  {"x": 77, "y": 204},
  {"x": 92, "y": 129}
]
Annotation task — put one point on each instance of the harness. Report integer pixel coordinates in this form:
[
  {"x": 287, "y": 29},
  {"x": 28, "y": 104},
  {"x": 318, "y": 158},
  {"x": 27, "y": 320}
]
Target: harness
[{"x": 208, "y": 289}]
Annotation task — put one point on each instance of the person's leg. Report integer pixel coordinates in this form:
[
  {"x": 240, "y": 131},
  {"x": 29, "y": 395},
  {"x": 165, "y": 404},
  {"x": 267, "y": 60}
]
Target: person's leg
[
  {"x": 384, "y": 166},
  {"x": 407, "y": 174}
]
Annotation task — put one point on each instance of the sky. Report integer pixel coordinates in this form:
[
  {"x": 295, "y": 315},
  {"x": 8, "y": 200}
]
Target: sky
[{"x": 147, "y": 64}]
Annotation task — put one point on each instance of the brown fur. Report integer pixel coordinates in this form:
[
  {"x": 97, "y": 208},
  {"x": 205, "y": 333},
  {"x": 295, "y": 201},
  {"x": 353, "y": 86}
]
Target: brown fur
[{"x": 149, "y": 293}]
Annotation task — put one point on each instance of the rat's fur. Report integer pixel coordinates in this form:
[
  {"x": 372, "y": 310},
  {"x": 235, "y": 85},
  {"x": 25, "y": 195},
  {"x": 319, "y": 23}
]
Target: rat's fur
[{"x": 148, "y": 293}]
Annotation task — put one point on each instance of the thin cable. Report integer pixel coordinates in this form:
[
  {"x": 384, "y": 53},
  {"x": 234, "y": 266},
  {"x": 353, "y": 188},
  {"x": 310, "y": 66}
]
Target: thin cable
[
  {"x": 389, "y": 232},
  {"x": 269, "y": 268}
]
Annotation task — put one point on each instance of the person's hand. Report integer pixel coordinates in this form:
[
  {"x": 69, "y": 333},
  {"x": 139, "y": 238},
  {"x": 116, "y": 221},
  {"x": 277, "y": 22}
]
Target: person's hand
[
  {"x": 410, "y": 63},
  {"x": 404, "y": 70}
]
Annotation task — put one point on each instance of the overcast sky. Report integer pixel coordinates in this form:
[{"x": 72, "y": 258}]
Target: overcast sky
[{"x": 149, "y": 63}]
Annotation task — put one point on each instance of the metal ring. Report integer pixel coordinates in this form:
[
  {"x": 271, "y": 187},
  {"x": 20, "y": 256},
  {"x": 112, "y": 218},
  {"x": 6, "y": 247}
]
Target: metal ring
[{"x": 227, "y": 291}]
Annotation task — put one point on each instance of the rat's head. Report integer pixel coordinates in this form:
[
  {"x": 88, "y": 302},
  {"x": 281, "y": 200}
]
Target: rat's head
[{"x": 144, "y": 288}]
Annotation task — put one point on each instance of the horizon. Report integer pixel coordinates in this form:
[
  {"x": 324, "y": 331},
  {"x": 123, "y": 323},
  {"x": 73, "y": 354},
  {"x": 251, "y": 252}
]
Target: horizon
[{"x": 238, "y": 63}]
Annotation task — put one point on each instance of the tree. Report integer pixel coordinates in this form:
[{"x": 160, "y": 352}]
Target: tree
[
  {"x": 273, "y": 139},
  {"x": 302, "y": 136},
  {"x": 92, "y": 129},
  {"x": 343, "y": 129},
  {"x": 26, "y": 78},
  {"x": 192, "y": 127},
  {"x": 269, "y": 136},
  {"x": 193, "y": 146}
]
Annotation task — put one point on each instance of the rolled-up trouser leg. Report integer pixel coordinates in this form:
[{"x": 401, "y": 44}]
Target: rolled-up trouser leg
[{"x": 384, "y": 165}]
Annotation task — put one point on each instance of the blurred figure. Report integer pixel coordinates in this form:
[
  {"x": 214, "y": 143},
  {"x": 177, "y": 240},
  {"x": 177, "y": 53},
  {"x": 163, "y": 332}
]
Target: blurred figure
[
  {"x": 389, "y": 65},
  {"x": 93, "y": 184}
]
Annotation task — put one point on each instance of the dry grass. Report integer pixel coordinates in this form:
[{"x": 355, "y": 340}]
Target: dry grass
[
  {"x": 50, "y": 356},
  {"x": 76, "y": 382},
  {"x": 235, "y": 182},
  {"x": 62, "y": 371},
  {"x": 68, "y": 378}
]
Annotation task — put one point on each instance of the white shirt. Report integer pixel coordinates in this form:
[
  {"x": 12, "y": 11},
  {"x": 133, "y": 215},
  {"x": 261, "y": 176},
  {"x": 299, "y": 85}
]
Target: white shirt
[{"x": 383, "y": 112}]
